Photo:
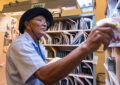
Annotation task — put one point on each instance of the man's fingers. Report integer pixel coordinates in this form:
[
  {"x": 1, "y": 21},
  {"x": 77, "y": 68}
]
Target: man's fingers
[
  {"x": 106, "y": 39},
  {"x": 100, "y": 35},
  {"x": 109, "y": 25},
  {"x": 106, "y": 43},
  {"x": 103, "y": 38},
  {"x": 106, "y": 30}
]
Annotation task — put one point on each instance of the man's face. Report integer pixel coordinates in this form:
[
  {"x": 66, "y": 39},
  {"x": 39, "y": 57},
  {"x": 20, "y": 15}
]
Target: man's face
[{"x": 39, "y": 25}]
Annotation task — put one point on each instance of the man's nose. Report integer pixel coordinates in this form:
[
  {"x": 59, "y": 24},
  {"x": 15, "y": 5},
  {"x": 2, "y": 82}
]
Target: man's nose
[{"x": 45, "y": 23}]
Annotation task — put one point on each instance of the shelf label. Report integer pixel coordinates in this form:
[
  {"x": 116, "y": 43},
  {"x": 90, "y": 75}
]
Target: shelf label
[
  {"x": 38, "y": 5},
  {"x": 95, "y": 59}
]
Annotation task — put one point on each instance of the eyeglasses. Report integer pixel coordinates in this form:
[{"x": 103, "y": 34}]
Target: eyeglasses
[{"x": 42, "y": 20}]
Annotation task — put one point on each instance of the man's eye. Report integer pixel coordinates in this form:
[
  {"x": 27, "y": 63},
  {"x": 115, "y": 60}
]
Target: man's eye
[{"x": 40, "y": 20}]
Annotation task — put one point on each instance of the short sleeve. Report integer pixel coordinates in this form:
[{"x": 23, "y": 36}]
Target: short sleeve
[{"x": 26, "y": 59}]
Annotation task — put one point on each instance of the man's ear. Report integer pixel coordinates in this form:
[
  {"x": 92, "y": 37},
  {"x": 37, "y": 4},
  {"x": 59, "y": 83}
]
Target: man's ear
[{"x": 26, "y": 24}]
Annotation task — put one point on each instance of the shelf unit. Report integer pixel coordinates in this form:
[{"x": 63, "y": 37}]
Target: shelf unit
[
  {"x": 82, "y": 76},
  {"x": 59, "y": 42},
  {"x": 112, "y": 66},
  {"x": 67, "y": 31},
  {"x": 112, "y": 63},
  {"x": 113, "y": 8},
  {"x": 112, "y": 77}
]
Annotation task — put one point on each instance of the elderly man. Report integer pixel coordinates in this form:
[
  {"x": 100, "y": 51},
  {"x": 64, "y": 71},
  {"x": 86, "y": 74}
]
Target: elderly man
[{"x": 25, "y": 57}]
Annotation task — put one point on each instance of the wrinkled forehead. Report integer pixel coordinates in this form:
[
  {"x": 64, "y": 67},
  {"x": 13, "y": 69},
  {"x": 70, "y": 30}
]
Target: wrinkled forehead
[{"x": 40, "y": 17}]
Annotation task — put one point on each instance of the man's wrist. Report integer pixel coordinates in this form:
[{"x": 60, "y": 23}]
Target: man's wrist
[{"x": 85, "y": 48}]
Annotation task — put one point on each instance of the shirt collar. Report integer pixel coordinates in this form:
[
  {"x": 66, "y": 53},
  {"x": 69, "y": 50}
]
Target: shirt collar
[{"x": 27, "y": 35}]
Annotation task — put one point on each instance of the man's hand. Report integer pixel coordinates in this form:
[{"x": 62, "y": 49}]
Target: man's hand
[{"x": 100, "y": 35}]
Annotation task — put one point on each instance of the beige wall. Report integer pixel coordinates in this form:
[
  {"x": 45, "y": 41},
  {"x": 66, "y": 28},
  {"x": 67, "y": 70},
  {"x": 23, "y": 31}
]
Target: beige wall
[
  {"x": 99, "y": 14},
  {"x": 2, "y": 59}
]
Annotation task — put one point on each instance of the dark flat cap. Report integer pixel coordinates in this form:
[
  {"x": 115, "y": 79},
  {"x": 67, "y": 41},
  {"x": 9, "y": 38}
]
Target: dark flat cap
[{"x": 31, "y": 13}]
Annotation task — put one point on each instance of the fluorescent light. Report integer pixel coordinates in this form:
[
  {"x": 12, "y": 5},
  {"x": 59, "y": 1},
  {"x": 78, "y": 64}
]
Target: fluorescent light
[
  {"x": 13, "y": 13},
  {"x": 69, "y": 8},
  {"x": 86, "y": 5}
]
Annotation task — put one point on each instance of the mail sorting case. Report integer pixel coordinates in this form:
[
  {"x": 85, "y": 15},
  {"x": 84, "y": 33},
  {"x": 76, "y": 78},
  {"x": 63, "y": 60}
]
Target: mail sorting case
[
  {"x": 66, "y": 34},
  {"x": 112, "y": 63}
]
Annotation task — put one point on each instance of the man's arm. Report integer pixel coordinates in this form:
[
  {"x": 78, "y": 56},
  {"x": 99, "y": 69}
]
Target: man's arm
[{"x": 53, "y": 72}]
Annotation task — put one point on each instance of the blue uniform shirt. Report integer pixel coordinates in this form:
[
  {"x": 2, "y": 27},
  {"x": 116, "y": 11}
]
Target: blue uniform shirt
[{"x": 24, "y": 58}]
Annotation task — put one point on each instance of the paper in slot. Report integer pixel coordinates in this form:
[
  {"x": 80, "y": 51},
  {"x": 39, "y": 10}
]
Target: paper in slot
[
  {"x": 65, "y": 81},
  {"x": 83, "y": 24},
  {"x": 46, "y": 39},
  {"x": 107, "y": 82},
  {"x": 77, "y": 24},
  {"x": 90, "y": 21},
  {"x": 76, "y": 38},
  {"x": 43, "y": 40},
  {"x": 54, "y": 27},
  {"x": 49, "y": 39},
  {"x": 111, "y": 82},
  {"x": 70, "y": 36},
  {"x": 79, "y": 69},
  {"x": 112, "y": 77},
  {"x": 89, "y": 57},
  {"x": 111, "y": 7},
  {"x": 73, "y": 23},
  {"x": 79, "y": 38},
  {"x": 78, "y": 81},
  {"x": 66, "y": 38},
  {"x": 108, "y": 52},
  {"x": 60, "y": 25},
  {"x": 71, "y": 82},
  {"x": 89, "y": 67},
  {"x": 88, "y": 81},
  {"x": 117, "y": 54},
  {"x": 111, "y": 64},
  {"x": 46, "y": 53},
  {"x": 56, "y": 39},
  {"x": 86, "y": 23}
]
